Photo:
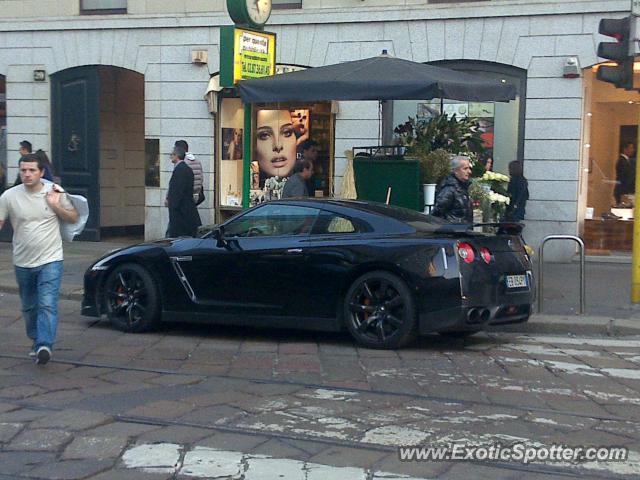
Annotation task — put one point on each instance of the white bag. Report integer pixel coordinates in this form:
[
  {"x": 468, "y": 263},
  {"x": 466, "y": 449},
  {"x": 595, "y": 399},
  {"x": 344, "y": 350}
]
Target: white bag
[{"x": 70, "y": 230}]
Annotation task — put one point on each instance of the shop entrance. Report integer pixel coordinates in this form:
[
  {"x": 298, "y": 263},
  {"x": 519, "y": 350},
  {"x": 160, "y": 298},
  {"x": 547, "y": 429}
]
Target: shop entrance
[
  {"x": 609, "y": 163},
  {"x": 98, "y": 146}
]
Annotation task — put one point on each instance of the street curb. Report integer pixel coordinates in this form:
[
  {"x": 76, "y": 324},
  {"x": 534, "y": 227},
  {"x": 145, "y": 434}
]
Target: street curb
[{"x": 577, "y": 325}]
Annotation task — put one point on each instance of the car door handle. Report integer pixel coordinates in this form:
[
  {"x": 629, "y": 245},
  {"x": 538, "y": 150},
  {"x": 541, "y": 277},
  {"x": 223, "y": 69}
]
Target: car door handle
[{"x": 294, "y": 250}]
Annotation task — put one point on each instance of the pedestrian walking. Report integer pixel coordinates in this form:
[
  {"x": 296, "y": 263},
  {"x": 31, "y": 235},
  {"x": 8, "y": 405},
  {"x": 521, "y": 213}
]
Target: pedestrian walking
[
  {"x": 452, "y": 198},
  {"x": 196, "y": 167},
  {"x": 36, "y": 216},
  {"x": 184, "y": 219},
  {"x": 25, "y": 148},
  {"x": 518, "y": 191}
]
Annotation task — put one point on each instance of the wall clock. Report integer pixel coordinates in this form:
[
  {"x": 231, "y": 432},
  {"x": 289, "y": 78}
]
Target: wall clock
[{"x": 254, "y": 13}]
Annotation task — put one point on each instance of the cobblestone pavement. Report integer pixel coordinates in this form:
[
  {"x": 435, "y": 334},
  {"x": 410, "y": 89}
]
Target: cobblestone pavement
[{"x": 207, "y": 401}]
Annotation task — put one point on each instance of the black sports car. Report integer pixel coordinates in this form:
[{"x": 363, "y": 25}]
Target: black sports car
[{"x": 384, "y": 273}]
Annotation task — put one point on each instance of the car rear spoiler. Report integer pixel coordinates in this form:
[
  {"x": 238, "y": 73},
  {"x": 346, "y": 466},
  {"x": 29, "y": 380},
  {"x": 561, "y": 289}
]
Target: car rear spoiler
[{"x": 502, "y": 228}]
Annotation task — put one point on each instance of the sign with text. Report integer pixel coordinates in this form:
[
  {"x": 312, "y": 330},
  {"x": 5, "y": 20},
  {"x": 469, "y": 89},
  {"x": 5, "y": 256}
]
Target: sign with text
[{"x": 246, "y": 54}]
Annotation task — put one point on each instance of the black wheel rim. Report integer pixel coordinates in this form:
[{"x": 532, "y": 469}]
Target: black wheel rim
[
  {"x": 377, "y": 310},
  {"x": 127, "y": 297}
]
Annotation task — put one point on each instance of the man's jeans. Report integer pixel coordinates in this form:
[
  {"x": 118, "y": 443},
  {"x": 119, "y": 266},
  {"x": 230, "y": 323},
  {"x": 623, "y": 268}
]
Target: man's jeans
[{"x": 39, "y": 287}]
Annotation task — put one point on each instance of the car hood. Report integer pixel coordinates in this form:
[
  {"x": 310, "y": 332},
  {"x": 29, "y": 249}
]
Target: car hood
[{"x": 166, "y": 244}]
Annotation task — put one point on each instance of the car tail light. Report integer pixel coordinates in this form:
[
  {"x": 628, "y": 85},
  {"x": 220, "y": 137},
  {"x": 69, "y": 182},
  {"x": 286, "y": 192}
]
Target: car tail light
[
  {"x": 466, "y": 252},
  {"x": 486, "y": 255}
]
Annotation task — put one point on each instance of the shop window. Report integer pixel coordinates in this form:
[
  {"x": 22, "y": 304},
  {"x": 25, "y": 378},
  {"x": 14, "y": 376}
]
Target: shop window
[
  {"x": 502, "y": 122},
  {"x": 273, "y": 220},
  {"x": 101, "y": 7},
  {"x": 230, "y": 180},
  {"x": 283, "y": 4},
  {"x": 282, "y": 133},
  {"x": 610, "y": 132}
]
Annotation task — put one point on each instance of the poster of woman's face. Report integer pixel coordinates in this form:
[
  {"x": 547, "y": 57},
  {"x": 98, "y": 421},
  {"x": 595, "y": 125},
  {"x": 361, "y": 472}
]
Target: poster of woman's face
[
  {"x": 275, "y": 149},
  {"x": 231, "y": 144}
]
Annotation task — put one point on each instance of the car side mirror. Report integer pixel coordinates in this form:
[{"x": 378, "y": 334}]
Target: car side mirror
[{"x": 218, "y": 234}]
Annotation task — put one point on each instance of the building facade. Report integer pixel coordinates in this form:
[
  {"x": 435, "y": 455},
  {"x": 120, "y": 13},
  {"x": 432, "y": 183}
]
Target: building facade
[{"x": 126, "y": 70}]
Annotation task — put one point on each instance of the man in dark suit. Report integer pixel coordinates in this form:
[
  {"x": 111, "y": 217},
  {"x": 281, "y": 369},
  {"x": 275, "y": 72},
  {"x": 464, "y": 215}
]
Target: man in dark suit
[
  {"x": 184, "y": 219},
  {"x": 625, "y": 172}
]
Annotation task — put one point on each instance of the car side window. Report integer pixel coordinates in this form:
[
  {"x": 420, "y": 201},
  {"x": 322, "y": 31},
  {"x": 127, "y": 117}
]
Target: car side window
[
  {"x": 273, "y": 220},
  {"x": 330, "y": 222}
]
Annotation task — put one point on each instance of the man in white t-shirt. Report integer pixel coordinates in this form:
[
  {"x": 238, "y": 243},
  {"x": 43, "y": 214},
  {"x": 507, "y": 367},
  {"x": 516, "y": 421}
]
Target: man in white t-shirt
[{"x": 37, "y": 250}]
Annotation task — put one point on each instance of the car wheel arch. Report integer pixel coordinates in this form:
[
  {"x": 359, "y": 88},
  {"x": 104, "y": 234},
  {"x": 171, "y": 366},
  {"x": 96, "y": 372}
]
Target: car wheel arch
[
  {"x": 124, "y": 261},
  {"x": 360, "y": 270}
]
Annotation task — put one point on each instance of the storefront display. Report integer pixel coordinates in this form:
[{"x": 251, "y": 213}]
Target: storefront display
[
  {"x": 610, "y": 137},
  {"x": 277, "y": 134},
  {"x": 495, "y": 120},
  {"x": 278, "y": 139},
  {"x": 230, "y": 178}
]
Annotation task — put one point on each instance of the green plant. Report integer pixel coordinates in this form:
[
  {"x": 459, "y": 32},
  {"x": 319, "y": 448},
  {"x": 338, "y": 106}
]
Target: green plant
[
  {"x": 458, "y": 136},
  {"x": 434, "y": 166}
]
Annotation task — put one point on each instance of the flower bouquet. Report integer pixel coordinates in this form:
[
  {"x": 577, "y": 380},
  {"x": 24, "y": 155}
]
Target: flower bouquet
[
  {"x": 273, "y": 188},
  {"x": 489, "y": 192}
]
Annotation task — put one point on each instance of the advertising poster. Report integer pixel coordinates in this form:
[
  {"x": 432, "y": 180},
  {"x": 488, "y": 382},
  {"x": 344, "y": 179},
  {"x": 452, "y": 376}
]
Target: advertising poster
[
  {"x": 301, "y": 122},
  {"x": 231, "y": 143},
  {"x": 278, "y": 134}
]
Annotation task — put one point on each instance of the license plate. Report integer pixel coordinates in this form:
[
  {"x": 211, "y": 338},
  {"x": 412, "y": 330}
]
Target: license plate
[{"x": 516, "y": 281}]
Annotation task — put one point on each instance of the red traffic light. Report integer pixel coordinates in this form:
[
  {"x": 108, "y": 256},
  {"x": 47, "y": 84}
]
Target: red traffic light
[{"x": 618, "y": 28}]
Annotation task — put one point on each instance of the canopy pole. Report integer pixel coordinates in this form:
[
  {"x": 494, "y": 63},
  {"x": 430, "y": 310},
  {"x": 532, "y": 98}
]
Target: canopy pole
[{"x": 246, "y": 156}]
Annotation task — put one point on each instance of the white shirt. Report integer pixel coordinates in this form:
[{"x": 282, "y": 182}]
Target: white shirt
[{"x": 36, "y": 227}]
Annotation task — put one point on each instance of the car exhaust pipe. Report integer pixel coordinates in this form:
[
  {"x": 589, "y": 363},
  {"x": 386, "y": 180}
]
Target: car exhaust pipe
[
  {"x": 473, "y": 315},
  {"x": 485, "y": 315}
]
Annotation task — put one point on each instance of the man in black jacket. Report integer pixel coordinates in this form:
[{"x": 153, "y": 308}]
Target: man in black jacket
[
  {"x": 184, "y": 219},
  {"x": 452, "y": 198}
]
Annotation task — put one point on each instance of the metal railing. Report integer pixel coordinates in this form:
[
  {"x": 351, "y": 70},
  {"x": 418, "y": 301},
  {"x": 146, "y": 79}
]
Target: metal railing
[{"x": 580, "y": 243}]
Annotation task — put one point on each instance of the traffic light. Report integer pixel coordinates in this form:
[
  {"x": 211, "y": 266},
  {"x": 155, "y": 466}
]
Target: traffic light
[{"x": 621, "y": 75}]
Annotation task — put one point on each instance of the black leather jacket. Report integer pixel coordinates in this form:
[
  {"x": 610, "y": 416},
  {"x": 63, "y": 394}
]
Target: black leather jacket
[{"x": 453, "y": 202}]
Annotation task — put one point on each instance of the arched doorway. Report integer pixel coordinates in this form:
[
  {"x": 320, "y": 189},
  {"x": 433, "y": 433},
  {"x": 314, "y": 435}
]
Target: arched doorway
[{"x": 98, "y": 145}]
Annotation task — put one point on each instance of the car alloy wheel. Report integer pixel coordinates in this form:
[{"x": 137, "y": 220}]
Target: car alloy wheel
[
  {"x": 380, "y": 312},
  {"x": 131, "y": 298}
]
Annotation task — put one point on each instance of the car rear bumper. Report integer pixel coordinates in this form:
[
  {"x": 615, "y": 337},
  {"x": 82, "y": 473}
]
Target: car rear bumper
[{"x": 473, "y": 318}]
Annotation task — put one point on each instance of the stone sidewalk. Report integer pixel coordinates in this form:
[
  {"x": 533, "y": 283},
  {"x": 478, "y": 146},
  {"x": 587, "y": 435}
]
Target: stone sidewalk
[{"x": 609, "y": 311}]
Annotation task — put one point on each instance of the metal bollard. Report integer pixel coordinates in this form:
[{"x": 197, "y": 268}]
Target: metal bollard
[{"x": 580, "y": 243}]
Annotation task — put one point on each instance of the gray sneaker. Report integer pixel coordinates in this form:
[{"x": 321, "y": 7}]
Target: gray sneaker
[{"x": 43, "y": 355}]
